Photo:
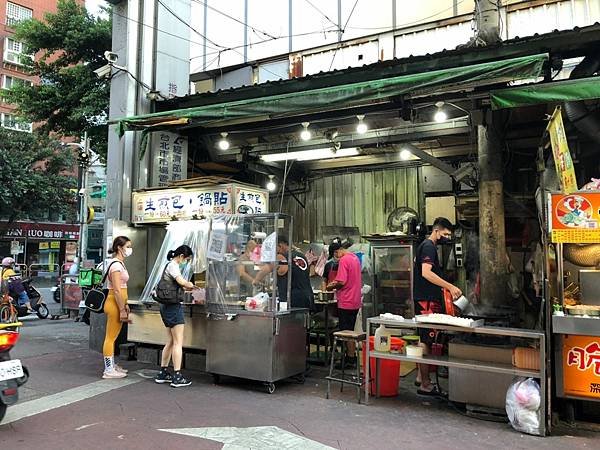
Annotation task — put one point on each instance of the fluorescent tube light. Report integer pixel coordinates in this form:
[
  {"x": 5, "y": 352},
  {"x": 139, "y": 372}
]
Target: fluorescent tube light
[{"x": 309, "y": 155}]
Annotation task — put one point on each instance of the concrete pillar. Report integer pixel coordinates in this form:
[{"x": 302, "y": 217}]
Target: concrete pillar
[{"x": 492, "y": 244}]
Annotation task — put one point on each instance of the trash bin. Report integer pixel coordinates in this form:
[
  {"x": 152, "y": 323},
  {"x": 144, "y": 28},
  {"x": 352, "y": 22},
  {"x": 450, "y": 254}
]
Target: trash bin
[{"x": 390, "y": 369}]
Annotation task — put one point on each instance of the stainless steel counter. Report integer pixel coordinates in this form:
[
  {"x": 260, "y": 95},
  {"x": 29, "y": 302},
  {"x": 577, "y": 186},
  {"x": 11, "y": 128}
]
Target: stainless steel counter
[
  {"x": 581, "y": 326},
  {"x": 147, "y": 326}
]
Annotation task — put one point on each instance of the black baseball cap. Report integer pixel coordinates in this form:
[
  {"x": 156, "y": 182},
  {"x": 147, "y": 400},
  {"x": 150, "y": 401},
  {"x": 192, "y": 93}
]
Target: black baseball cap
[{"x": 337, "y": 243}]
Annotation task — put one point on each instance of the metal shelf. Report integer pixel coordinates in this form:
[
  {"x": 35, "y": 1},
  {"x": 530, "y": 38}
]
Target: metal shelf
[{"x": 460, "y": 363}]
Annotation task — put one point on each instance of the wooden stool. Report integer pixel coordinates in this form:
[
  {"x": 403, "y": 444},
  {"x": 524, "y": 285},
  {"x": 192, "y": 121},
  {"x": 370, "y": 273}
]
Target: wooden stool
[{"x": 356, "y": 380}]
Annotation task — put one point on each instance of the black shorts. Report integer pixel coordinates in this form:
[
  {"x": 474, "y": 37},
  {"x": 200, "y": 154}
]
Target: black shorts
[
  {"x": 347, "y": 319},
  {"x": 427, "y": 335},
  {"x": 172, "y": 315}
]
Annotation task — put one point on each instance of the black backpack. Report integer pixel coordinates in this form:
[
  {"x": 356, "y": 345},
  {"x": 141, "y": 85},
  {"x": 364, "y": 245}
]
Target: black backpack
[{"x": 168, "y": 291}]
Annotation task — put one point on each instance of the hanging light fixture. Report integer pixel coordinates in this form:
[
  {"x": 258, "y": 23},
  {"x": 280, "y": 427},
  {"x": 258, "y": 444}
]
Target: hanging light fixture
[
  {"x": 271, "y": 186},
  {"x": 305, "y": 134},
  {"x": 405, "y": 154},
  {"x": 440, "y": 115},
  {"x": 223, "y": 143},
  {"x": 362, "y": 127}
]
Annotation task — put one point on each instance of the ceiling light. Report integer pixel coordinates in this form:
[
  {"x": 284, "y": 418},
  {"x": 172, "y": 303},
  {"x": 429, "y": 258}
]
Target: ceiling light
[
  {"x": 405, "y": 155},
  {"x": 224, "y": 143},
  {"x": 271, "y": 186},
  {"x": 309, "y": 155},
  {"x": 305, "y": 134},
  {"x": 440, "y": 116},
  {"x": 362, "y": 127}
]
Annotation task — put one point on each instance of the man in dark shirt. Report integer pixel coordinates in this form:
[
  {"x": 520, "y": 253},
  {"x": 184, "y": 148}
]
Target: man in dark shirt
[{"x": 428, "y": 296}]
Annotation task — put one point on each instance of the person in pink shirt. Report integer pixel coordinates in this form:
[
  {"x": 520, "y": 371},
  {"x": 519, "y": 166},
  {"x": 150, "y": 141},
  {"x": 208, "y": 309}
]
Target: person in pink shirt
[{"x": 348, "y": 285}]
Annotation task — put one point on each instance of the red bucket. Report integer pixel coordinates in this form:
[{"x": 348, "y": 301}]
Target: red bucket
[{"x": 390, "y": 369}]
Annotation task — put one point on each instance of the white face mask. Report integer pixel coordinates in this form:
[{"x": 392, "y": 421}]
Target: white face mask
[{"x": 128, "y": 252}]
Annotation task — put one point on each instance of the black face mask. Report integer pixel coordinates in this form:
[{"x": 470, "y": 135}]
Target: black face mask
[{"x": 443, "y": 240}]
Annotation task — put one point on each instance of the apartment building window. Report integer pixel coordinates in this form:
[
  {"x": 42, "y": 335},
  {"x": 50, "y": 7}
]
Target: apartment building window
[
  {"x": 9, "y": 82},
  {"x": 13, "y": 122},
  {"x": 14, "y": 51},
  {"x": 16, "y": 13}
]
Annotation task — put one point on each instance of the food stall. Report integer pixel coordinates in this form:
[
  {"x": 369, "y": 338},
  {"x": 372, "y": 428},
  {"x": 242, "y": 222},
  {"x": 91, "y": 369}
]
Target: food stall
[
  {"x": 574, "y": 230},
  {"x": 243, "y": 329}
]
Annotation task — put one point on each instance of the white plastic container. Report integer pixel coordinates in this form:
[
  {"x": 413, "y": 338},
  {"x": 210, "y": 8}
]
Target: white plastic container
[
  {"x": 382, "y": 339},
  {"x": 414, "y": 350}
]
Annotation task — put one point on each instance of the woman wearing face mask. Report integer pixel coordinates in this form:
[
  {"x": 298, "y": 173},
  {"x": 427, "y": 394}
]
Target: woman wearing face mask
[
  {"x": 115, "y": 306},
  {"x": 172, "y": 317}
]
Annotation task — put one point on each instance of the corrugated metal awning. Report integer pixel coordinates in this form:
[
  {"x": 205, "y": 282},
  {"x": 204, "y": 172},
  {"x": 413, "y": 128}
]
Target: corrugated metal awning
[{"x": 344, "y": 96}]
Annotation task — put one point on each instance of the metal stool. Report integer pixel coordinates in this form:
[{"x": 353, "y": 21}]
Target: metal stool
[{"x": 355, "y": 380}]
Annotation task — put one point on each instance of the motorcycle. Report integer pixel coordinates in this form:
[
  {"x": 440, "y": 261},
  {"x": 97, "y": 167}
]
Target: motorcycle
[
  {"x": 12, "y": 373},
  {"x": 35, "y": 300},
  {"x": 56, "y": 292}
]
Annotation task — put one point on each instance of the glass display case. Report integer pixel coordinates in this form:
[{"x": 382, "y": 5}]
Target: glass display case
[
  {"x": 239, "y": 248},
  {"x": 392, "y": 278}
]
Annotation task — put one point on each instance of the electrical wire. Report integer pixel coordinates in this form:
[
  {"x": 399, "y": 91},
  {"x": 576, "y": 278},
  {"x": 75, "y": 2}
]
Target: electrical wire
[
  {"x": 324, "y": 15},
  {"x": 342, "y": 33},
  {"x": 254, "y": 29}
]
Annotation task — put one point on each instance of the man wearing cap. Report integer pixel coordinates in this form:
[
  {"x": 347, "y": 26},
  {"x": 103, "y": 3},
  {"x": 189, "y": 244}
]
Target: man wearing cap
[
  {"x": 428, "y": 296},
  {"x": 347, "y": 284}
]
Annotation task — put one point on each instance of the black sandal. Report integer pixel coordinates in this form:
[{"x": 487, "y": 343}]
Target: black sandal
[{"x": 435, "y": 392}]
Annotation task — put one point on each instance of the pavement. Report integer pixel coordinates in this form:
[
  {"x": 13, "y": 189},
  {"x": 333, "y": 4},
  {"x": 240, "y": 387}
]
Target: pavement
[{"x": 66, "y": 405}]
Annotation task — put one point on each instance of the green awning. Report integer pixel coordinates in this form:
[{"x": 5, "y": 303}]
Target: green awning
[
  {"x": 558, "y": 91},
  {"x": 344, "y": 96}
]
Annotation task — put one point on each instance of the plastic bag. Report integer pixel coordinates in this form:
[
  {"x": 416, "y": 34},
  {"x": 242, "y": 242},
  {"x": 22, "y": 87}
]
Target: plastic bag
[
  {"x": 523, "y": 406},
  {"x": 257, "y": 303}
]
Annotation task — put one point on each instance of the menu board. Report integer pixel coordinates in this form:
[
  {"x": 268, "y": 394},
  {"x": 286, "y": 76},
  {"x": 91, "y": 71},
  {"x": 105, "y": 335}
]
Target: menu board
[
  {"x": 575, "y": 218},
  {"x": 164, "y": 205},
  {"x": 581, "y": 366}
]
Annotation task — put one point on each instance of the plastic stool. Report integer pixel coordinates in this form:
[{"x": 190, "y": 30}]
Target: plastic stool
[{"x": 357, "y": 380}]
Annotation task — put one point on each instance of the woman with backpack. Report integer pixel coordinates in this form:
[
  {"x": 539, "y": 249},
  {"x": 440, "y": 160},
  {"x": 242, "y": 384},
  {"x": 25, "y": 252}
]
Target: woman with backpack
[
  {"x": 115, "y": 306},
  {"x": 171, "y": 312}
]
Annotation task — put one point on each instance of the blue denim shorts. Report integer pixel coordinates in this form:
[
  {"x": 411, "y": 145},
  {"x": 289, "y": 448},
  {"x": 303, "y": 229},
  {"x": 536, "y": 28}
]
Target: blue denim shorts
[{"x": 172, "y": 315}]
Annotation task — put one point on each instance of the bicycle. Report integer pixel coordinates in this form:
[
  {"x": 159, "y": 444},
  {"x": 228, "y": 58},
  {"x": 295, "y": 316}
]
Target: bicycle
[{"x": 8, "y": 312}]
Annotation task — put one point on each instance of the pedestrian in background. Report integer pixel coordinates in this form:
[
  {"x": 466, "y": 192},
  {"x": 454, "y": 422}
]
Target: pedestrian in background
[
  {"x": 172, "y": 317},
  {"x": 115, "y": 306}
]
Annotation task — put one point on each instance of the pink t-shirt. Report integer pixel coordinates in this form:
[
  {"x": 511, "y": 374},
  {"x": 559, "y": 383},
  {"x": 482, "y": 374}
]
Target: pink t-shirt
[
  {"x": 118, "y": 266},
  {"x": 349, "y": 296}
]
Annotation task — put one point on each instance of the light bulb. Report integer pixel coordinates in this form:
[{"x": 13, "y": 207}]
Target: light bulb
[
  {"x": 271, "y": 186},
  {"x": 224, "y": 143},
  {"x": 362, "y": 127},
  {"x": 405, "y": 155},
  {"x": 305, "y": 134},
  {"x": 440, "y": 116}
]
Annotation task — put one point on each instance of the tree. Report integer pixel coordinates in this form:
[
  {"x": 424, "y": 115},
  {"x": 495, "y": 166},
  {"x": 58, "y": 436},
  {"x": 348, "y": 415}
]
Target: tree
[
  {"x": 35, "y": 177},
  {"x": 70, "y": 98}
]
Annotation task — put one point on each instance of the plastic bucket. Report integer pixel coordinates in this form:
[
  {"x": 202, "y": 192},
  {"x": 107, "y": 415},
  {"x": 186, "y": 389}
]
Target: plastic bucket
[{"x": 390, "y": 369}]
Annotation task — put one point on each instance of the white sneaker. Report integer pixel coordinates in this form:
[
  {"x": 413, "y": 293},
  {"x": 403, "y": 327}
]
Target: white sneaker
[
  {"x": 113, "y": 374},
  {"x": 118, "y": 368}
]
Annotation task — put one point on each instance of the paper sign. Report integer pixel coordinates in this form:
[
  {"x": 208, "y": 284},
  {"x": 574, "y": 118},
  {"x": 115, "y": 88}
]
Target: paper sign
[
  {"x": 562, "y": 155},
  {"x": 268, "y": 251},
  {"x": 217, "y": 245},
  {"x": 575, "y": 218},
  {"x": 581, "y": 366}
]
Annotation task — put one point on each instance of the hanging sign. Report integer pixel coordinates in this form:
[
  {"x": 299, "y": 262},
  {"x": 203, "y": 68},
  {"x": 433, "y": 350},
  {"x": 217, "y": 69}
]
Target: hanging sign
[
  {"x": 217, "y": 244},
  {"x": 250, "y": 201},
  {"x": 581, "y": 366},
  {"x": 562, "y": 155},
  {"x": 162, "y": 205},
  {"x": 575, "y": 218},
  {"x": 169, "y": 158}
]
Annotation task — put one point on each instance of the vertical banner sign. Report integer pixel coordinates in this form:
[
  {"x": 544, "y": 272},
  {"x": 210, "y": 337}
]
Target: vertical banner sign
[
  {"x": 581, "y": 366},
  {"x": 562, "y": 155},
  {"x": 169, "y": 158}
]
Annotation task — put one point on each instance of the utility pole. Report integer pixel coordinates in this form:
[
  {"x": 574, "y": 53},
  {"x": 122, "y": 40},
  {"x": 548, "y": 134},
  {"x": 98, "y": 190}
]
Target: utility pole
[{"x": 83, "y": 160}]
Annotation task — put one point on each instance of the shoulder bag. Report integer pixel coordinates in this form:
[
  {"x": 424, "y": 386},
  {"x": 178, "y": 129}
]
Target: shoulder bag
[
  {"x": 168, "y": 291},
  {"x": 95, "y": 297}
]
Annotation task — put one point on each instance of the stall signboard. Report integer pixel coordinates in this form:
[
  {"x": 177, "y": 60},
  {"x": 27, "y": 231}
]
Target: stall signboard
[
  {"x": 250, "y": 201},
  {"x": 575, "y": 218},
  {"x": 581, "y": 366},
  {"x": 169, "y": 158},
  {"x": 562, "y": 155},
  {"x": 162, "y": 205}
]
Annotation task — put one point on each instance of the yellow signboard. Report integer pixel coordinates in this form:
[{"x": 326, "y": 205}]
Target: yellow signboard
[
  {"x": 44, "y": 246},
  {"x": 562, "y": 155},
  {"x": 55, "y": 244}
]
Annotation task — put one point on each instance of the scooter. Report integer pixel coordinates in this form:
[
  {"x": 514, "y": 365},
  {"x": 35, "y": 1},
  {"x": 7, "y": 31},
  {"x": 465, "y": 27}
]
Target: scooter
[
  {"x": 12, "y": 373},
  {"x": 35, "y": 300}
]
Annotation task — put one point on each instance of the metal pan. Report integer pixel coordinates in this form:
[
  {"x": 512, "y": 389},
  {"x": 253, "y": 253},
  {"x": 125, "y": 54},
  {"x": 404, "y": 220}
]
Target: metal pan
[{"x": 582, "y": 310}]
